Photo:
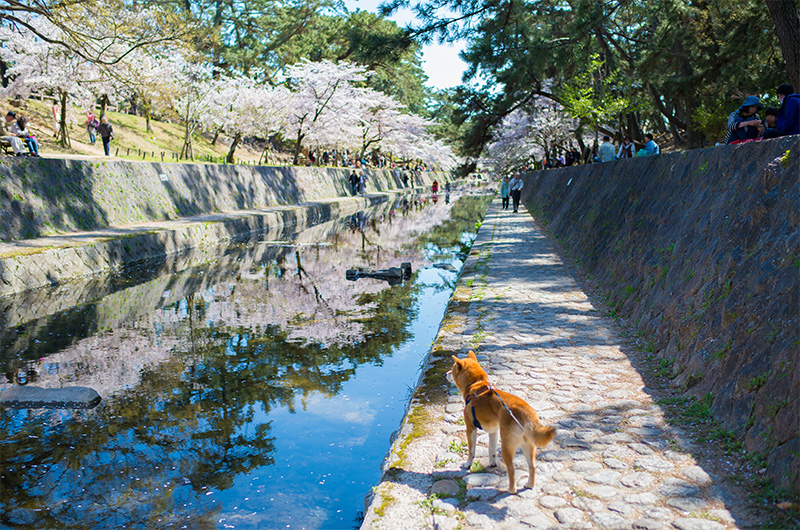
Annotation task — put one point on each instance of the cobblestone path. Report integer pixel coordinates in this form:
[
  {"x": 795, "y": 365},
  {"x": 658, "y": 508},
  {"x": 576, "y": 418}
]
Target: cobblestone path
[{"x": 615, "y": 462}]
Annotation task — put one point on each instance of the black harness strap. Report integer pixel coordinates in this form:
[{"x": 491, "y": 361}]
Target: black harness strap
[{"x": 471, "y": 397}]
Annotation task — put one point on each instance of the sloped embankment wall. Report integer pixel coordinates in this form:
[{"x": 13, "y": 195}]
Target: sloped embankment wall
[
  {"x": 700, "y": 251},
  {"x": 41, "y": 197}
]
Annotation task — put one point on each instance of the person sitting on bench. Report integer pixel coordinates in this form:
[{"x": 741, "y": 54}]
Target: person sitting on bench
[{"x": 11, "y": 138}]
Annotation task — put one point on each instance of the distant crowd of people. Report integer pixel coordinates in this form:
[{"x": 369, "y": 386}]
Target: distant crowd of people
[
  {"x": 346, "y": 158},
  {"x": 606, "y": 152}
]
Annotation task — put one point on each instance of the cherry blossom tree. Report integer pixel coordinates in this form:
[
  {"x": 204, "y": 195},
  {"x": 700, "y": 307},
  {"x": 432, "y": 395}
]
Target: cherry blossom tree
[
  {"x": 532, "y": 131},
  {"x": 35, "y": 64},
  {"x": 377, "y": 116},
  {"x": 147, "y": 78},
  {"x": 240, "y": 107},
  {"x": 321, "y": 91},
  {"x": 193, "y": 97}
]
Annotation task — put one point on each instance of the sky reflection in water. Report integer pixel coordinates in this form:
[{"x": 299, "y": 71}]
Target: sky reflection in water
[{"x": 256, "y": 388}]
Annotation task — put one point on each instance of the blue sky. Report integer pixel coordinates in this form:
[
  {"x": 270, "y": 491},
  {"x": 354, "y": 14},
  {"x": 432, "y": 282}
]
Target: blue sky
[{"x": 440, "y": 61}]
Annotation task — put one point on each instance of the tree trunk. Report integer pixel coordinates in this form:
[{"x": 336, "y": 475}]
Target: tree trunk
[
  {"x": 147, "y": 110},
  {"x": 62, "y": 126},
  {"x": 103, "y": 105},
  {"x": 236, "y": 139},
  {"x": 216, "y": 137},
  {"x": 264, "y": 158},
  {"x": 186, "y": 151},
  {"x": 298, "y": 147},
  {"x": 787, "y": 26}
]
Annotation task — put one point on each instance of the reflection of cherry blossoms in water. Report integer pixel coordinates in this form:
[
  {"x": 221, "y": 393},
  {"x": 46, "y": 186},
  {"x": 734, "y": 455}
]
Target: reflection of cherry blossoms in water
[
  {"x": 228, "y": 380},
  {"x": 308, "y": 290},
  {"x": 299, "y": 286}
]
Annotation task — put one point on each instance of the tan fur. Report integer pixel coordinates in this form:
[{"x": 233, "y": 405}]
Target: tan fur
[{"x": 471, "y": 379}]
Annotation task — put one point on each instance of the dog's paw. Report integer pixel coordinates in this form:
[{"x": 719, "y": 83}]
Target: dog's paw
[{"x": 467, "y": 465}]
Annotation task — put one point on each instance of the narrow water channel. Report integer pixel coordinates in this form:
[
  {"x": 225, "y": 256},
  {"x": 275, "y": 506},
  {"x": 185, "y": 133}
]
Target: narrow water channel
[{"x": 255, "y": 386}]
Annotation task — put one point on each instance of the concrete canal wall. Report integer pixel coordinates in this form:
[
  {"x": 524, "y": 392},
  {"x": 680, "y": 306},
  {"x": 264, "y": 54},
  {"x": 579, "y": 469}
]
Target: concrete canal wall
[
  {"x": 64, "y": 219},
  {"x": 700, "y": 252},
  {"x": 41, "y": 197}
]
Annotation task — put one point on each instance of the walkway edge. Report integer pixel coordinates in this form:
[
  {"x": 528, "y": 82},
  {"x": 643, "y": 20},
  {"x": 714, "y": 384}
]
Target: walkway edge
[{"x": 400, "y": 499}]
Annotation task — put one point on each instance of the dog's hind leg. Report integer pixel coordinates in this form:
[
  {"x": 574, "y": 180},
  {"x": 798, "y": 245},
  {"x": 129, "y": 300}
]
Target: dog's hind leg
[
  {"x": 492, "y": 449},
  {"x": 529, "y": 450},
  {"x": 508, "y": 450}
]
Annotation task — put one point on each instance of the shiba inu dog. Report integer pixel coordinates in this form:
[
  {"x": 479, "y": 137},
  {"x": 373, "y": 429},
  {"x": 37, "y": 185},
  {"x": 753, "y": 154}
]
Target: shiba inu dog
[{"x": 493, "y": 410}]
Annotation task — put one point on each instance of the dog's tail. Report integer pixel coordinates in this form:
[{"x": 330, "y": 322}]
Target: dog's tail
[{"x": 542, "y": 435}]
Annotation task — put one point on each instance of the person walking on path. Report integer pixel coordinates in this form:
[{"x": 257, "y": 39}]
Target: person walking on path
[
  {"x": 505, "y": 191},
  {"x": 362, "y": 183},
  {"x": 353, "y": 179},
  {"x": 91, "y": 126},
  {"x": 106, "y": 131},
  {"x": 56, "y": 121},
  {"x": 516, "y": 190}
]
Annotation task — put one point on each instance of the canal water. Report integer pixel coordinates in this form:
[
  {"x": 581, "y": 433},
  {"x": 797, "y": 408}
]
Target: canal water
[{"x": 251, "y": 386}]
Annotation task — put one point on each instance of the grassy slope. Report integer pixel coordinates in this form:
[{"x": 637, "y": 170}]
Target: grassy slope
[{"x": 129, "y": 133}]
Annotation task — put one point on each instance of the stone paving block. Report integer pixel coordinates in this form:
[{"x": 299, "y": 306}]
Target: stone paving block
[{"x": 690, "y": 523}]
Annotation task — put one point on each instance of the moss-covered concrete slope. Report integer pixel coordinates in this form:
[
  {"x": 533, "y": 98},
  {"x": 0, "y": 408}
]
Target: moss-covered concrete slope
[{"x": 700, "y": 252}]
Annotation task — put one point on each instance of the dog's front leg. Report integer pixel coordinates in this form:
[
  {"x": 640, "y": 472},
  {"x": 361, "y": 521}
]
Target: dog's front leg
[
  {"x": 472, "y": 439},
  {"x": 493, "y": 449}
]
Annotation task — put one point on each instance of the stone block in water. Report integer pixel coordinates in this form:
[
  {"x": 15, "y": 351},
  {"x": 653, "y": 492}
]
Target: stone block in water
[{"x": 31, "y": 397}]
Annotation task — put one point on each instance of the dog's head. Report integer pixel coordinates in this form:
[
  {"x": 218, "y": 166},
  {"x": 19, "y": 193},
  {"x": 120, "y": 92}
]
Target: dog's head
[{"x": 466, "y": 372}]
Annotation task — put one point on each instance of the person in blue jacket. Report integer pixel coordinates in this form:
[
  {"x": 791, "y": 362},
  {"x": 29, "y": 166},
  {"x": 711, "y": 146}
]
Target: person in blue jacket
[{"x": 789, "y": 113}]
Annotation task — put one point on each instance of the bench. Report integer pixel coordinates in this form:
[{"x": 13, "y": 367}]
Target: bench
[{"x": 5, "y": 145}]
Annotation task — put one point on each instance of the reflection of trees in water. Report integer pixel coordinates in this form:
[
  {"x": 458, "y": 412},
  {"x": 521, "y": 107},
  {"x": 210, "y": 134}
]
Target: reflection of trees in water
[
  {"x": 465, "y": 213},
  {"x": 198, "y": 417},
  {"x": 142, "y": 459},
  {"x": 195, "y": 422}
]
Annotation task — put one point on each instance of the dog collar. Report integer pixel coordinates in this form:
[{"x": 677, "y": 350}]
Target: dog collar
[{"x": 479, "y": 392}]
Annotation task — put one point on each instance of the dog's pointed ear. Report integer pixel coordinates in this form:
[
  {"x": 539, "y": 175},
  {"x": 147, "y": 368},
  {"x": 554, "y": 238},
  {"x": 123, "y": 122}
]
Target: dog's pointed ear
[
  {"x": 472, "y": 355},
  {"x": 456, "y": 359}
]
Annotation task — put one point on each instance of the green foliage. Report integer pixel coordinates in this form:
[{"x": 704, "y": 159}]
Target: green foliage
[
  {"x": 595, "y": 96},
  {"x": 688, "y": 410},
  {"x": 477, "y": 467},
  {"x": 785, "y": 158}
]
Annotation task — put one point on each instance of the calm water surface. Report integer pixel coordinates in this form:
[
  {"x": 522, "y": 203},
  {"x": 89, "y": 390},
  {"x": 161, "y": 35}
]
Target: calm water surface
[{"x": 246, "y": 387}]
